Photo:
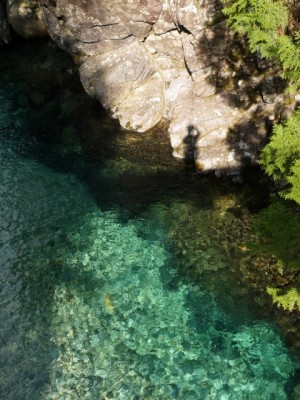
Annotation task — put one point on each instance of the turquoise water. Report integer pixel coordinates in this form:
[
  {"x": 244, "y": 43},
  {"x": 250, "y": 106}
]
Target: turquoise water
[{"x": 119, "y": 277}]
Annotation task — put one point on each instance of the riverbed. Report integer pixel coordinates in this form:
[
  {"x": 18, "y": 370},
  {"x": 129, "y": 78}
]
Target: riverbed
[{"x": 120, "y": 270}]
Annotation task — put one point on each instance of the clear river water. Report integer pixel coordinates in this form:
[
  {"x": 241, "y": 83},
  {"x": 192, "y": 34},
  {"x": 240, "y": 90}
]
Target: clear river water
[{"x": 119, "y": 274}]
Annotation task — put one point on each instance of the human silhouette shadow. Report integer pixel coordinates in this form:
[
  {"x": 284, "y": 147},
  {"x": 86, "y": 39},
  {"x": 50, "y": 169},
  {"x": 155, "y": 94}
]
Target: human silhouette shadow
[{"x": 190, "y": 150}]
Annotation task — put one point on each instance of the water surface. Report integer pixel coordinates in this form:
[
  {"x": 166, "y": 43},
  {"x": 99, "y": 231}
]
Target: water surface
[{"x": 119, "y": 274}]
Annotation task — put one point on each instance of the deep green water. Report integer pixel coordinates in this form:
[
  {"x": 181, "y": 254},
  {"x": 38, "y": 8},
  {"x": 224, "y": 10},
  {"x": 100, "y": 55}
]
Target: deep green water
[{"x": 119, "y": 275}]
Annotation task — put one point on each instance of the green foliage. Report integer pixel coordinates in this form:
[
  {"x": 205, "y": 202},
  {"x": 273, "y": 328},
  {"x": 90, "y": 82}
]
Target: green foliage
[
  {"x": 281, "y": 157},
  {"x": 288, "y": 52},
  {"x": 294, "y": 180},
  {"x": 278, "y": 231},
  {"x": 265, "y": 22},
  {"x": 260, "y": 20},
  {"x": 288, "y": 299}
]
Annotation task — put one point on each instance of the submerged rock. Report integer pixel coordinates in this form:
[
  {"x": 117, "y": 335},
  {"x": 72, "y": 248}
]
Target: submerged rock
[{"x": 26, "y": 18}]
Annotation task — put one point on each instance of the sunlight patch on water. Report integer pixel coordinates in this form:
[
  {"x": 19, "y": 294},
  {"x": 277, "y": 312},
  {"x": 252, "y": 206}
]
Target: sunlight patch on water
[{"x": 130, "y": 336}]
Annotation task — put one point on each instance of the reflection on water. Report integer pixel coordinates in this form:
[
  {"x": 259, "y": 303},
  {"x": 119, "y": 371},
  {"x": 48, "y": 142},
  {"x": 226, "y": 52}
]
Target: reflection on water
[{"x": 119, "y": 278}]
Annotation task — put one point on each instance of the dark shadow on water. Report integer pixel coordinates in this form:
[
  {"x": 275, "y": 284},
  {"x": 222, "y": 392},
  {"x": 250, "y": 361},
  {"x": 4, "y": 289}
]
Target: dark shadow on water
[{"x": 69, "y": 132}]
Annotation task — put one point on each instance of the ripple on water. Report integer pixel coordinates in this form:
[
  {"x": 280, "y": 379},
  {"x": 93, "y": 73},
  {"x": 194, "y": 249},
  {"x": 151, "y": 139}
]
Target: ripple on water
[
  {"x": 93, "y": 288},
  {"x": 96, "y": 302}
]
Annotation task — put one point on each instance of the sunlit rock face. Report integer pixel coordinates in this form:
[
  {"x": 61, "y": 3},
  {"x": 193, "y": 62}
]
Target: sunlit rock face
[
  {"x": 26, "y": 18},
  {"x": 149, "y": 61}
]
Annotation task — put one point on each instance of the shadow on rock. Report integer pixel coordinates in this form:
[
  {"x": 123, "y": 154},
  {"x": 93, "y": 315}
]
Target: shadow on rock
[
  {"x": 190, "y": 149},
  {"x": 250, "y": 85}
]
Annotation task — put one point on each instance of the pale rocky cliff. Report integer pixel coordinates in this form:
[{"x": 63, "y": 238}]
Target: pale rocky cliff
[{"x": 173, "y": 62}]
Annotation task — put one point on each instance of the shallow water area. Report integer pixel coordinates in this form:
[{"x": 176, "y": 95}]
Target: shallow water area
[{"x": 119, "y": 274}]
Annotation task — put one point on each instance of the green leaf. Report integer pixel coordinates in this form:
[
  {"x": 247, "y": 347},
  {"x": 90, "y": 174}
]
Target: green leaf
[{"x": 288, "y": 299}]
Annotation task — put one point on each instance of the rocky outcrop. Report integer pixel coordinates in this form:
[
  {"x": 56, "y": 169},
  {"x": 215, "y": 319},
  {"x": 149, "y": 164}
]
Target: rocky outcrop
[
  {"x": 26, "y": 18},
  {"x": 173, "y": 61}
]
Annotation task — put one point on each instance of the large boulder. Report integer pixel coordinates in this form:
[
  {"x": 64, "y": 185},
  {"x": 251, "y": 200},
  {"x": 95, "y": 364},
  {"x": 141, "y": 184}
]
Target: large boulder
[
  {"x": 26, "y": 18},
  {"x": 149, "y": 61}
]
